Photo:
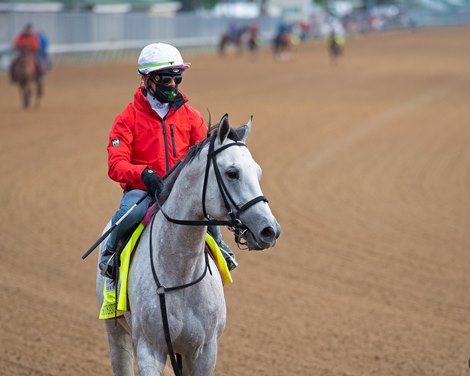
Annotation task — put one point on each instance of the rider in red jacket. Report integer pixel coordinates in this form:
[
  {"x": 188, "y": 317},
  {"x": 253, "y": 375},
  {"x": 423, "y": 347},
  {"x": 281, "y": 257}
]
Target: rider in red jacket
[
  {"x": 148, "y": 138},
  {"x": 140, "y": 138},
  {"x": 27, "y": 42}
]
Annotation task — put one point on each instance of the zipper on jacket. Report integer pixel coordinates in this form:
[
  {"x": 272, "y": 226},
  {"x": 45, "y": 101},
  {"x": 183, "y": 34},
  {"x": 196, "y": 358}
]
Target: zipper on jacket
[
  {"x": 167, "y": 162},
  {"x": 172, "y": 134}
]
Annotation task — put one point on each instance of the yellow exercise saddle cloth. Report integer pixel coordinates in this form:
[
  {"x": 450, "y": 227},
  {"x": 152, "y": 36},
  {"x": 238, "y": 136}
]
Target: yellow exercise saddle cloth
[{"x": 112, "y": 309}]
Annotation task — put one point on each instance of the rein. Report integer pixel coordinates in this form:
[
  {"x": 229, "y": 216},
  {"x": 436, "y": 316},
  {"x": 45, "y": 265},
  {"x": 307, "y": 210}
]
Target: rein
[
  {"x": 234, "y": 224},
  {"x": 161, "y": 290}
]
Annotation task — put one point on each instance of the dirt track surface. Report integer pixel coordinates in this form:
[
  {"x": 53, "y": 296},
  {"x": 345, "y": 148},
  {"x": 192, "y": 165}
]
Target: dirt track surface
[{"x": 365, "y": 164}]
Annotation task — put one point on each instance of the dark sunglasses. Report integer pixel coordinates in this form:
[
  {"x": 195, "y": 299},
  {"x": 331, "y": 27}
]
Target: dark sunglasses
[{"x": 165, "y": 77}]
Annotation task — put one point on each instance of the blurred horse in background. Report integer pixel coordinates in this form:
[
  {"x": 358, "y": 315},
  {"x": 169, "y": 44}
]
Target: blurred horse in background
[
  {"x": 282, "y": 46},
  {"x": 241, "y": 38},
  {"x": 335, "y": 46},
  {"x": 336, "y": 39},
  {"x": 235, "y": 39},
  {"x": 27, "y": 74}
]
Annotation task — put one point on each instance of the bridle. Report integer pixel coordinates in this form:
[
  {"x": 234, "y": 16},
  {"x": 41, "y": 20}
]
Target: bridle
[
  {"x": 234, "y": 224},
  {"x": 233, "y": 210}
]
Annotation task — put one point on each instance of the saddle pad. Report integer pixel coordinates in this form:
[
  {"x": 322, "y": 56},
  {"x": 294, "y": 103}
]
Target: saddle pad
[{"x": 111, "y": 309}]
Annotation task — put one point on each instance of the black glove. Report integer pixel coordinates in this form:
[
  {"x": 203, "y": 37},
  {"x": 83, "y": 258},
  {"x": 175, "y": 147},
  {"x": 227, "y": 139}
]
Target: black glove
[{"x": 152, "y": 181}]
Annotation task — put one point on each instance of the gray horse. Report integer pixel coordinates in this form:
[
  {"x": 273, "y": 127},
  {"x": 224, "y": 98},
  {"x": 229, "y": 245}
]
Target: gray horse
[{"x": 218, "y": 181}]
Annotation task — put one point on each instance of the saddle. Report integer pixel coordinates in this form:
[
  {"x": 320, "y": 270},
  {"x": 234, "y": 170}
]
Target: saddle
[{"x": 115, "y": 291}]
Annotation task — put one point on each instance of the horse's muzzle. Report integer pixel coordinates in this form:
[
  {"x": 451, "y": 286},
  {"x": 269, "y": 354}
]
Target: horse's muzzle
[{"x": 263, "y": 239}]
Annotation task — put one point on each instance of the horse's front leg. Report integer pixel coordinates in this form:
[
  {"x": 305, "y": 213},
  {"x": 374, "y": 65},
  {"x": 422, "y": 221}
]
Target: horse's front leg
[
  {"x": 121, "y": 349},
  {"x": 203, "y": 361},
  {"x": 39, "y": 92},
  {"x": 150, "y": 361},
  {"x": 25, "y": 91}
]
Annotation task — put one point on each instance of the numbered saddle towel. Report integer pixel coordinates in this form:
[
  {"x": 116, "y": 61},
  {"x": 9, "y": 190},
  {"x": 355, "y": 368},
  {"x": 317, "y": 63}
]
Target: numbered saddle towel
[{"x": 112, "y": 308}]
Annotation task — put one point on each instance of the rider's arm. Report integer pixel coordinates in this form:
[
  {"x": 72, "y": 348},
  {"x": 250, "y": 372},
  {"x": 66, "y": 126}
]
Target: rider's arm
[{"x": 120, "y": 168}]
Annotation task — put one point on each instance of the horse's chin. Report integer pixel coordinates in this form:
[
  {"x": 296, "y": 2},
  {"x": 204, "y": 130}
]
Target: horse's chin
[{"x": 255, "y": 244}]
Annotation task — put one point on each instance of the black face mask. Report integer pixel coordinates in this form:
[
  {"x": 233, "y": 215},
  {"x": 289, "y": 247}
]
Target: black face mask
[{"x": 164, "y": 94}]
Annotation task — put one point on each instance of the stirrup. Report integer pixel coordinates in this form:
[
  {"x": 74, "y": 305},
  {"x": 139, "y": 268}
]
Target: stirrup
[{"x": 107, "y": 268}]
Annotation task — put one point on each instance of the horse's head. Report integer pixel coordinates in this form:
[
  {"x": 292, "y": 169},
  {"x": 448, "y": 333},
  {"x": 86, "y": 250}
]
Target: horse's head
[{"x": 233, "y": 190}]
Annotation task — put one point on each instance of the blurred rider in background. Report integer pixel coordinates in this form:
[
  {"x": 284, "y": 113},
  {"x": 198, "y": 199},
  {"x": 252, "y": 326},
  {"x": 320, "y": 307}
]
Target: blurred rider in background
[
  {"x": 26, "y": 42},
  {"x": 27, "y": 39}
]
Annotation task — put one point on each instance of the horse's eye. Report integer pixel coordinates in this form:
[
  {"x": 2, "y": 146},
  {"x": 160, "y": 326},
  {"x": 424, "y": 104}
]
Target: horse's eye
[{"x": 232, "y": 173}]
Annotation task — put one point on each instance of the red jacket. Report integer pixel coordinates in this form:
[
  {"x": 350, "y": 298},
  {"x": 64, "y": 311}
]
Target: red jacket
[
  {"x": 25, "y": 40},
  {"x": 139, "y": 138}
]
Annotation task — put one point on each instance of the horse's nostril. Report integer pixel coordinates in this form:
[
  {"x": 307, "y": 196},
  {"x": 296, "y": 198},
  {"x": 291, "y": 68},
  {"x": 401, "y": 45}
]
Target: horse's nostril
[{"x": 268, "y": 233}]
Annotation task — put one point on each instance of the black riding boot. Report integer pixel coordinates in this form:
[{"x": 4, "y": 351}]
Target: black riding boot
[
  {"x": 107, "y": 263},
  {"x": 228, "y": 255}
]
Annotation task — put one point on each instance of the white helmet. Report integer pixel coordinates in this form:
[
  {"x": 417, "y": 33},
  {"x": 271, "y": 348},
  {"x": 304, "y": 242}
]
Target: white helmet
[{"x": 158, "y": 56}]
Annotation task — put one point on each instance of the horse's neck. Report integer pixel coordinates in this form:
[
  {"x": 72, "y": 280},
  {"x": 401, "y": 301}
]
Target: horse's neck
[
  {"x": 182, "y": 238},
  {"x": 178, "y": 251},
  {"x": 180, "y": 247},
  {"x": 26, "y": 53},
  {"x": 26, "y": 62}
]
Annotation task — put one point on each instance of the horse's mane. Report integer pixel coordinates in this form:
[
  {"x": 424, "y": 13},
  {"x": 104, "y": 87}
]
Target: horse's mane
[{"x": 235, "y": 134}]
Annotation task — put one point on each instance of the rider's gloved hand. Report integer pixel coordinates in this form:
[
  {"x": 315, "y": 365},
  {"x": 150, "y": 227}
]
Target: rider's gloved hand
[{"x": 152, "y": 181}]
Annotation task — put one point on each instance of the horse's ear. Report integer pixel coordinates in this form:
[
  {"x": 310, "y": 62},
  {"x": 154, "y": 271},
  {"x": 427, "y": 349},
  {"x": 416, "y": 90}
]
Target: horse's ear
[
  {"x": 224, "y": 129},
  {"x": 240, "y": 134},
  {"x": 247, "y": 128}
]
